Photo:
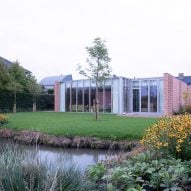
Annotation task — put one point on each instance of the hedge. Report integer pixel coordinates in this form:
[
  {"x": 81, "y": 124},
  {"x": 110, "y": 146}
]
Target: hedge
[{"x": 44, "y": 102}]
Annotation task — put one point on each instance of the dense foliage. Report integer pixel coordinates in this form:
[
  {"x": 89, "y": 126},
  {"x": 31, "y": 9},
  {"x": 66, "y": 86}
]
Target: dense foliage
[
  {"x": 171, "y": 135},
  {"x": 16, "y": 79},
  {"x": 44, "y": 102},
  {"x": 143, "y": 172}
]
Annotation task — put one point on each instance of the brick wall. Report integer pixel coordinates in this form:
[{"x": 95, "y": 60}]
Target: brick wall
[
  {"x": 173, "y": 94},
  {"x": 57, "y": 97}
]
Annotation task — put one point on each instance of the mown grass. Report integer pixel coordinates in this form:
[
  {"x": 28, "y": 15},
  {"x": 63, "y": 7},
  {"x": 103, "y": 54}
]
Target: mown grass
[{"x": 81, "y": 124}]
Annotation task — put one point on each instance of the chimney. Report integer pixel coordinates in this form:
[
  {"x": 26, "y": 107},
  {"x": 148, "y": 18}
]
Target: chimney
[{"x": 181, "y": 75}]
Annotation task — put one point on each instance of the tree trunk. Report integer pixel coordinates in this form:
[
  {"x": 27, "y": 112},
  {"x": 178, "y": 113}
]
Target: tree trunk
[
  {"x": 34, "y": 107},
  {"x": 96, "y": 102},
  {"x": 96, "y": 98},
  {"x": 15, "y": 103},
  {"x": 34, "y": 104}
]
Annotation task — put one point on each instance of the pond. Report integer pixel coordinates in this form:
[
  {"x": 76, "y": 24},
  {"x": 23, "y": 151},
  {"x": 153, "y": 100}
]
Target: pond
[{"x": 53, "y": 155}]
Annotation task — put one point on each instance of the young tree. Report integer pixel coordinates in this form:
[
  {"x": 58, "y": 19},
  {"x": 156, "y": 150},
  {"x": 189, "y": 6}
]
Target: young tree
[
  {"x": 34, "y": 88},
  {"x": 18, "y": 81},
  {"x": 98, "y": 68}
]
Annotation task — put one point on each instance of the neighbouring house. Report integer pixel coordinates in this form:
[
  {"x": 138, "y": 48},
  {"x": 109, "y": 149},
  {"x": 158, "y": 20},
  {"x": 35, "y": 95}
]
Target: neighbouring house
[
  {"x": 119, "y": 95},
  {"x": 49, "y": 82},
  {"x": 5, "y": 62},
  {"x": 8, "y": 64}
]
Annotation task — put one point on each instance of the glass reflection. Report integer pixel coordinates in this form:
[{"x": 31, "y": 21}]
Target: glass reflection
[
  {"x": 136, "y": 100},
  {"x": 153, "y": 96},
  {"x": 67, "y": 104},
  {"x": 80, "y": 107},
  {"x": 107, "y": 99},
  {"x": 73, "y": 106},
  {"x": 144, "y": 96}
]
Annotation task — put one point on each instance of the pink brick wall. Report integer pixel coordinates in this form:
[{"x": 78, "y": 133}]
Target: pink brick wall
[
  {"x": 173, "y": 94},
  {"x": 189, "y": 90},
  {"x": 57, "y": 97}
]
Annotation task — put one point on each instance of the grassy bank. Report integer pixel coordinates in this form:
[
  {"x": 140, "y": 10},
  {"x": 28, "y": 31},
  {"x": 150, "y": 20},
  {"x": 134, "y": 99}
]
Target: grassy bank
[{"x": 82, "y": 124}]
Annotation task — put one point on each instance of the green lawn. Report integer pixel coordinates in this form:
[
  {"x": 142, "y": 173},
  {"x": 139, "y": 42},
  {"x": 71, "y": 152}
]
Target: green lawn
[{"x": 82, "y": 124}]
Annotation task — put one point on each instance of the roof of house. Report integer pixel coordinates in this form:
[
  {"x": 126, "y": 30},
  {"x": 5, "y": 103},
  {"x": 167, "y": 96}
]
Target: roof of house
[
  {"x": 5, "y": 61},
  {"x": 50, "y": 81},
  {"x": 9, "y": 64},
  {"x": 186, "y": 79}
]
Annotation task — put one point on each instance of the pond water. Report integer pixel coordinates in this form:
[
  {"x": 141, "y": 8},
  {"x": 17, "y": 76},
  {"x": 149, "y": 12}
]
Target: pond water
[{"x": 53, "y": 155}]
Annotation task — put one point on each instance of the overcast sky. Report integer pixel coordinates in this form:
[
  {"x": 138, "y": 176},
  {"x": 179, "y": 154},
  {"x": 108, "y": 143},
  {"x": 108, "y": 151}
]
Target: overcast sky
[{"x": 145, "y": 38}]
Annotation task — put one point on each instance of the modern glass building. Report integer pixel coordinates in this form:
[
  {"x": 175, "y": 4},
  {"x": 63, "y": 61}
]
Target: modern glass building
[
  {"x": 119, "y": 95},
  {"x": 116, "y": 95}
]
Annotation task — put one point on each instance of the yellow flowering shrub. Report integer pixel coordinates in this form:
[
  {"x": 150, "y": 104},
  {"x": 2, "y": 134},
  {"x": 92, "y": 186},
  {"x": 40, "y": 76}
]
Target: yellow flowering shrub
[
  {"x": 172, "y": 135},
  {"x": 3, "y": 119}
]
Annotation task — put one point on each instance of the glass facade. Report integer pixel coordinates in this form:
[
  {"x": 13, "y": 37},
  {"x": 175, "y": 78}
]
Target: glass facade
[
  {"x": 135, "y": 100},
  {"x": 144, "y": 96},
  {"x": 117, "y": 95},
  {"x": 80, "y": 96},
  {"x": 107, "y": 99},
  {"x": 147, "y": 95},
  {"x": 153, "y": 96}
]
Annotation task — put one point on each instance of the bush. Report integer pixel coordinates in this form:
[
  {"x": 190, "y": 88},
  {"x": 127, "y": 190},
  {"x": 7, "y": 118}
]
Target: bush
[
  {"x": 187, "y": 109},
  {"x": 171, "y": 135},
  {"x": 3, "y": 119},
  {"x": 145, "y": 172},
  {"x": 183, "y": 110},
  {"x": 44, "y": 102}
]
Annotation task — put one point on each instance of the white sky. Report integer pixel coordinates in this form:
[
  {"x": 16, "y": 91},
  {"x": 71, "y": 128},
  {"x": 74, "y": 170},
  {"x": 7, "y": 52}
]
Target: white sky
[{"x": 145, "y": 38}]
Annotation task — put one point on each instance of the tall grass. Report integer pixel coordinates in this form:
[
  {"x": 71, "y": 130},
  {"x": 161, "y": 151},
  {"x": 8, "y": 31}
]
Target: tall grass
[{"x": 17, "y": 174}]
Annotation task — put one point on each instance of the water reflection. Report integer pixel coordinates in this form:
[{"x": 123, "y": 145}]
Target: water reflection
[{"x": 53, "y": 156}]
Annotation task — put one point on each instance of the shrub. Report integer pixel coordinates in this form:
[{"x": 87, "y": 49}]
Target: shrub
[
  {"x": 145, "y": 172},
  {"x": 187, "y": 109},
  {"x": 171, "y": 135},
  {"x": 3, "y": 119},
  {"x": 95, "y": 172}
]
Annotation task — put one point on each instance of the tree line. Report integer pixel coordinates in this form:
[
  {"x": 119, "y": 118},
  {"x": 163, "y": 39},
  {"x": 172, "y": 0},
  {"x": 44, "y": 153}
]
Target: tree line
[{"x": 16, "y": 79}]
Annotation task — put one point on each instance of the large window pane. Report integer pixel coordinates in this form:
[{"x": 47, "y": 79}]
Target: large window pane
[
  {"x": 144, "y": 96},
  {"x": 107, "y": 99},
  {"x": 100, "y": 98},
  {"x": 80, "y": 100},
  {"x": 153, "y": 96},
  {"x": 67, "y": 104},
  {"x": 86, "y": 99},
  {"x": 73, "y": 107},
  {"x": 136, "y": 100},
  {"x": 92, "y": 99}
]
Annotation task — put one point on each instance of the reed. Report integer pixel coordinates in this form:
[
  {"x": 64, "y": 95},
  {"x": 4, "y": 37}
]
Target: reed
[{"x": 17, "y": 174}]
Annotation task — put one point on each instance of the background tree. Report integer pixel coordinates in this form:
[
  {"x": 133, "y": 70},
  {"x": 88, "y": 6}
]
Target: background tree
[
  {"x": 34, "y": 89},
  {"x": 18, "y": 81},
  {"x": 4, "y": 77},
  {"x": 98, "y": 68}
]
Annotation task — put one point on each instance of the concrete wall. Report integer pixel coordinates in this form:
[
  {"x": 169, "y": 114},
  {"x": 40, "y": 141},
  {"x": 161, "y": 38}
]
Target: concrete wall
[{"x": 173, "y": 94}]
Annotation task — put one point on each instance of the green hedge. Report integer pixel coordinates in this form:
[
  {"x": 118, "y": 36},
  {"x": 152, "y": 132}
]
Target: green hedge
[{"x": 24, "y": 102}]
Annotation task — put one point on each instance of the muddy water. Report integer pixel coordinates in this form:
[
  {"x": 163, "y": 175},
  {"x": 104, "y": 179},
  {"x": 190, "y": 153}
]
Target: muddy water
[{"x": 52, "y": 155}]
